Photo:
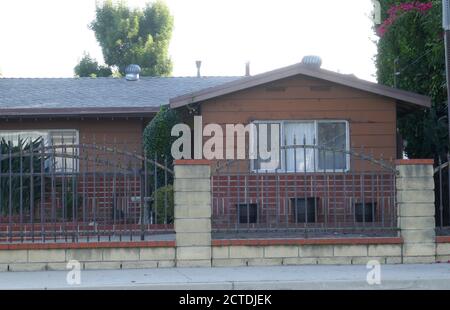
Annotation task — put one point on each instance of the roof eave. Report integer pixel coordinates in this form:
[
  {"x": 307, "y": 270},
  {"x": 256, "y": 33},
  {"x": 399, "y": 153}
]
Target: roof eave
[{"x": 77, "y": 112}]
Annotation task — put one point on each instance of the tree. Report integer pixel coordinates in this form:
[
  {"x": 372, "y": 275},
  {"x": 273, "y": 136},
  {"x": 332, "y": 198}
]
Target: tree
[
  {"x": 411, "y": 36},
  {"x": 135, "y": 36},
  {"x": 89, "y": 67}
]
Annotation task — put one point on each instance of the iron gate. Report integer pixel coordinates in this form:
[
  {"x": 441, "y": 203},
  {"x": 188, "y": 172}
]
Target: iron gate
[{"x": 82, "y": 192}]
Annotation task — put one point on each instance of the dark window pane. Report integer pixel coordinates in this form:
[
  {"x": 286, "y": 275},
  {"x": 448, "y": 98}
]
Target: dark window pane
[
  {"x": 305, "y": 214},
  {"x": 333, "y": 138},
  {"x": 248, "y": 213},
  {"x": 365, "y": 212}
]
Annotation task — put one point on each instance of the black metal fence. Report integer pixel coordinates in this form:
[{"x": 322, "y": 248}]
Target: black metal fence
[
  {"x": 442, "y": 195},
  {"x": 70, "y": 192},
  {"x": 312, "y": 190}
]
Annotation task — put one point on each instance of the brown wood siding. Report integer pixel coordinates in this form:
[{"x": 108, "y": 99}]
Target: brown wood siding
[
  {"x": 127, "y": 134},
  {"x": 372, "y": 118}
]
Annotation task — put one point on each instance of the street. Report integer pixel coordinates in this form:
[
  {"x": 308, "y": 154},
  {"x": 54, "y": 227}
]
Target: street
[{"x": 436, "y": 276}]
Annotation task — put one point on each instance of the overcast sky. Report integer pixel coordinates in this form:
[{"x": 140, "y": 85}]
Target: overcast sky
[{"x": 46, "y": 38}]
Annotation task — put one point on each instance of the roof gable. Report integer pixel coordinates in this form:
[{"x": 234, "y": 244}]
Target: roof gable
[{"x": 300, "y": 69}]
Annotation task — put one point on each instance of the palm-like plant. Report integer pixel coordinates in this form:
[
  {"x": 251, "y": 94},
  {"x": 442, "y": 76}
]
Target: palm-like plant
[{"x": 18, "y": 186}]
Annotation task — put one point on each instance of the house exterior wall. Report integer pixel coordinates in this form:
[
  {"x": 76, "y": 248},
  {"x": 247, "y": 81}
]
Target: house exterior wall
[
  {"x": 125, "y": 133},
  {"x": 372, "y": 118},
  {"x": 121, "y": 136},
  {"x": 372, "y": 131}
]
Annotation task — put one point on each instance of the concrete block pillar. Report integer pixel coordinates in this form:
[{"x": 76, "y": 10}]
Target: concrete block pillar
[
  {"x": 416, "y": 211},
  {"x": 192, "y": 190}
]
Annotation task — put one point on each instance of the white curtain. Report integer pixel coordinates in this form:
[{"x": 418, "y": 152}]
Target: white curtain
[{"x": 299, "y": 134}]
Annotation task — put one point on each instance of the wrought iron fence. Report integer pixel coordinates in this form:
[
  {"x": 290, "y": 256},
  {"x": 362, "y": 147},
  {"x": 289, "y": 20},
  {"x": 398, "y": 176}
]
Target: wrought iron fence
[
  {"x": 442, "y": 195},
  {"x": 312, "y": 190},
  {"x": 72, "y": 192}
]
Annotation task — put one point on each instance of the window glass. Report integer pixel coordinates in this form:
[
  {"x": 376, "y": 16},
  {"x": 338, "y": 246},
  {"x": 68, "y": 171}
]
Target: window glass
[
  {"x": 326, "y": 143},
  {"x": 63, "y": 141},
  {"x": 299, "y": 159},
  {"x": 264, "y": 132},
  {"x": 332, "y": 137}
]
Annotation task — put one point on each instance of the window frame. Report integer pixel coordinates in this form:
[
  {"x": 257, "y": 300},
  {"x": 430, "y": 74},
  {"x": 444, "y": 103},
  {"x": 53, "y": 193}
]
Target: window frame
[{"x": 316, "y": 122}]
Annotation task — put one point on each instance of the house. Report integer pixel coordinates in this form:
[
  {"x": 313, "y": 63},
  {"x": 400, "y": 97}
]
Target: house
[
  {"x": 338, "y": 142},
  {"x": 93, "y": 127}
]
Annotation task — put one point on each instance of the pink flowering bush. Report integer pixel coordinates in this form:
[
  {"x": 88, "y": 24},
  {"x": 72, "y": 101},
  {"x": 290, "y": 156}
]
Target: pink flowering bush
[{"x": 398, "y": 10}]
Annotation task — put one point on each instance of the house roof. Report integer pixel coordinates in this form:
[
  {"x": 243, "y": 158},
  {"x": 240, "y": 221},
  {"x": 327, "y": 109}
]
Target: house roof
[
  {"x": 69, "y": 96},
  {"x": 404, "y": 98}
]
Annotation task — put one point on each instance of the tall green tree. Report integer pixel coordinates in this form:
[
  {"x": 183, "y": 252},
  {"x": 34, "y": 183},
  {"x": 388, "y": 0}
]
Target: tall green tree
[
  {"x": 139, "y": 36},
  {"x": 411, "y": 36},
  {"x": 89, "y": 67}
]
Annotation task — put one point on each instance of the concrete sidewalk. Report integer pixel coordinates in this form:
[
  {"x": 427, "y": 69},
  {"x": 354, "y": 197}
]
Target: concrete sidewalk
[{"x": 435, "y": 276}]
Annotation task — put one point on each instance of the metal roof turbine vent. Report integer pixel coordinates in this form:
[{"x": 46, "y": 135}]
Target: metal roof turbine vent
[
  {"x": 314, "y": 62},
  {"x": 132, "y": 72}
]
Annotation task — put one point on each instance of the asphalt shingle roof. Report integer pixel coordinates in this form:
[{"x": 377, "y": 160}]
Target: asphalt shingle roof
[{"x": 49, "y": 93}]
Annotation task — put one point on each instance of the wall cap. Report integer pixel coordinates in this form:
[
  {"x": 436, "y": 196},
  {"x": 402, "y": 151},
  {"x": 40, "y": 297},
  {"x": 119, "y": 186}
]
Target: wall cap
[
  {"x": 193, "y": 162},
  {"x": 404, "y": 162},
  {"x": 87, "y": 245},
  {"x": 330, "y": 241},
  {"x": 442, "y": 239}
]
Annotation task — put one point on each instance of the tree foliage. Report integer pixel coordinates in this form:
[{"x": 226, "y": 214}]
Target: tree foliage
[
  {"x": 89, "y": 67},
  {"x": 412, "y": 36},
  {"x": 135, "y": 36}
]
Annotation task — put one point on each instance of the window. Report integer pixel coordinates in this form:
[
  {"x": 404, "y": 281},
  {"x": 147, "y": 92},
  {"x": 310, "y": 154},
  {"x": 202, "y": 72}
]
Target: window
[
  {"x": 332, "y": 137},
  {"x": 304, "y": 214},
  {"x": 365, "y": 212},
  {"x": 63, "y": 158},
  {"x": 248, "y": 213}
]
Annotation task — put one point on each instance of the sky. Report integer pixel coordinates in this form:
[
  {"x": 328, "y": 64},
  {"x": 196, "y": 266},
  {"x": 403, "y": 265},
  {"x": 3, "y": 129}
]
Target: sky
[{"x": 46, "y": 38}]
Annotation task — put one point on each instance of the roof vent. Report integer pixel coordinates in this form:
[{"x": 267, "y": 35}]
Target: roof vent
[
  {"x": 198, "y": 64},
  {"x": 132, "y": 72},
  {"x": 314, "y": 62}
]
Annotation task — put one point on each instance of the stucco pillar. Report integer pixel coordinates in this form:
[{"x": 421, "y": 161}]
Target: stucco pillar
[
  {"x": 192, "y": 190},
  {"x": 416, "y": 211}
]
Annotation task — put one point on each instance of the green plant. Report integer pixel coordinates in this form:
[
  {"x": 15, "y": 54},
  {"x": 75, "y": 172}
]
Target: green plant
[
  {"x": 163, "y": 205},
  {"x": 16, "y": 182},
  {"x": 89, "y": 67},
  {"x": 411, "y": 40},
  {"x": 158, "y": 142}
]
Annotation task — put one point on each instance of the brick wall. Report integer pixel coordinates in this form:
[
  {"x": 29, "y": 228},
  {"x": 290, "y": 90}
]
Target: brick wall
[{"x": 336, "y": 196}]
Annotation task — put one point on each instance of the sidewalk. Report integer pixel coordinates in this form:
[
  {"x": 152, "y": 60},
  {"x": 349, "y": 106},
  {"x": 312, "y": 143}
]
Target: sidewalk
[{"x": 435, "y": 276}]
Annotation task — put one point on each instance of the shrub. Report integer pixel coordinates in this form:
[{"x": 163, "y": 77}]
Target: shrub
[
  {"x": 159, "y": 199},
  {"x": 157, "y": 135},
  {"x": 158, "y": 142}
]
